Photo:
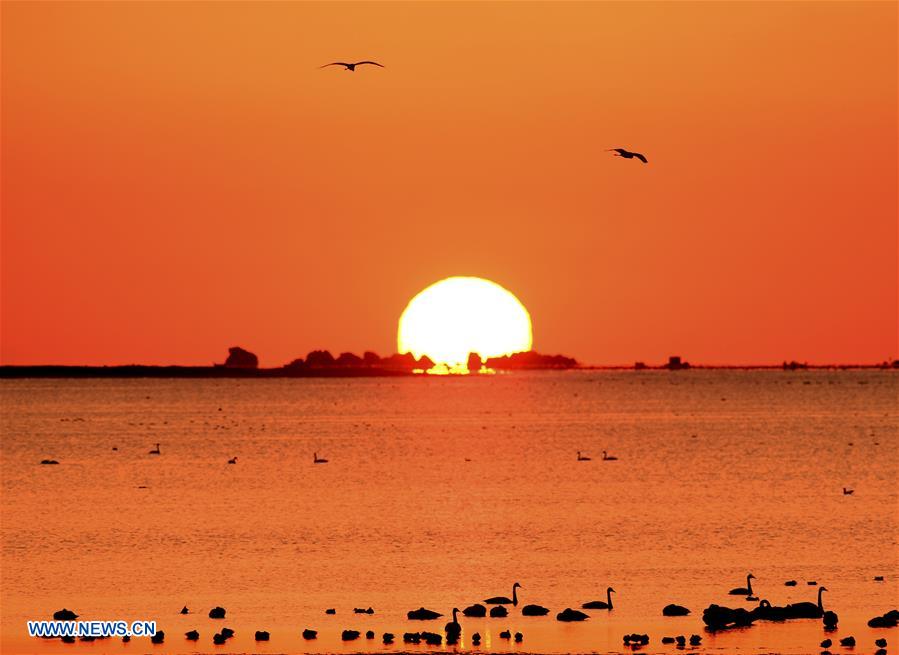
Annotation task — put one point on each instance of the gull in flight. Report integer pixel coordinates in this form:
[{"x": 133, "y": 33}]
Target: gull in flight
[
  {"x": 627, "y": 154},
  {"x": 351, "y": 66}
]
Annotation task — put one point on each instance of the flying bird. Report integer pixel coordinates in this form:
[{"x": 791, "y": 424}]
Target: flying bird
[
  {"x": 627, "y": 154},
  {"x": 351, "y": 66}
]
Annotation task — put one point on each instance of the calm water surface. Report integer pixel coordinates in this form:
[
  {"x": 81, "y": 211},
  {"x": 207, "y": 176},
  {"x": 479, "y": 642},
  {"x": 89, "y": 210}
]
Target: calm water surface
[{"x": 442, "y": 492}]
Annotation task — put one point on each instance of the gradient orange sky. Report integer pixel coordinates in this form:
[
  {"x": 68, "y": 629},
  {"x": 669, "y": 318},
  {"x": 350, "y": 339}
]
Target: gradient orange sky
[{"x": 178, "y": 178}]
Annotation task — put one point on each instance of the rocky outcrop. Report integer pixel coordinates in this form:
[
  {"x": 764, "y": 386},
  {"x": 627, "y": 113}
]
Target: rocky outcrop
[{"x": 240, "y": 358}]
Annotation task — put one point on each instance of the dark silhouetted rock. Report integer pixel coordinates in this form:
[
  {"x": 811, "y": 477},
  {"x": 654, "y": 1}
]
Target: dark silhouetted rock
[
  {"x": 240, "y": 358},
  {"x": 424, "y": 363},
  {"x": 349, "y": 360},
  {"x": 403, "y": 362},
  {"x": 474, "y": 362},
  {"x": 371, "y": 359},
  {"x": 320, "y": 359},
  {"x": 530, "y": 360},
  {"x": 296, "y": 365}
]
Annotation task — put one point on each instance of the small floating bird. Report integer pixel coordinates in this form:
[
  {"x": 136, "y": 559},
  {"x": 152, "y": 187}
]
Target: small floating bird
[
  {"x": 330, "y": 610},
  {"x": 387, "y": 638},
  {"x": 218, "y": 638},
  {"x": 606, "y": 457},
  {"x": 310, "y": 634},
  {"x": 49, "y": 461},
  {"x": 476, "y": 638},
  {"x": 217, "y": 613},
  {"x": 233, "y": 460},
  {"x": 582, "y": 458},
  {"x": 878, "y": 578},
  {"x": 518, "y": 637},
  {"x": 184, "y": 610},
  {"x": 601, "y": 605},
  {"x": 505, "y": 634},
  {"x": 849, "y": 642},
  {"x": 827, "y": 643},
  {"x": 743, "y": 591},
  {"x": 627, "y": 154},
  {"x": 318, "y": 460},
  {"x": 830, "y": 619},
  {"x": 155, "y": 451},
  {"x": 534, "y": 610},
  {"x": 475, "y": 610},
  {"x": 370, "y": 634},
  {"x": 349, "y": 635},
  {"x": 848, "y": 492},
  {"x": 262, "y": 635},
  {"x": 351, "y": 66},
  {"x": 503, "y": 600},
  {"x": 790, "y": 583},
  {"x": 158, "y": 638}
]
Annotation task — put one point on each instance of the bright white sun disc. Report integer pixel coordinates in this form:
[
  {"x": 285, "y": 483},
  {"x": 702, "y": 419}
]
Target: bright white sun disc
[{"x": 462, "y": 315}]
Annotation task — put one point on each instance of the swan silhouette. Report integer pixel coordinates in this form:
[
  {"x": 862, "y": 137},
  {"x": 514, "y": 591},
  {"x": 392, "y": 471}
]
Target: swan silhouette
[
  {"x": 475, "y": 610},
  {"x": 505, "y": 634},
  {"x": 155, "y": 451},
  {"x": 498, "y": 612},
  {"x": 534, "y": 610},
  {"x": 743, "y": 591},
  {"x": 606, "y": 457},
  {"x": 600, "y": 605},
  {"x": 582, "y": 458},
  {"x": 675, "y": 610},
  {"x": 233, "y": 460},
  {"x": 453, "y": 627},
  {"x": 503, "y": 600},
  {"x": 807, "y": 610},
  {"x": 848, "y": 492},
  {"x": 351, "y": 66},
  {"x": 192, "y": 635},
  {"x": 569, "y": 614},
  {"x": 318, "y": 460}
]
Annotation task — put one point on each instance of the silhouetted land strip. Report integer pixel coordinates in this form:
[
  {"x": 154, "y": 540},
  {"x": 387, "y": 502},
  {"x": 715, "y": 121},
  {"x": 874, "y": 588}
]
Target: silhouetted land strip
[{"x": 322, "y": 364}]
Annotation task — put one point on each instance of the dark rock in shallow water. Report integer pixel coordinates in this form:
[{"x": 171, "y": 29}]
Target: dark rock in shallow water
[{"x": 569, "y": 614}]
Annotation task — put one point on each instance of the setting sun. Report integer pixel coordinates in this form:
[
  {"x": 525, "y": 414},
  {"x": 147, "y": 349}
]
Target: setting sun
[{"x": 462, "y": 315}]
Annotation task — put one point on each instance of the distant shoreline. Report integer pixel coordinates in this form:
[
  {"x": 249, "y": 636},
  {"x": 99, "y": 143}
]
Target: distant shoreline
[{"x": 149, "y": 371}]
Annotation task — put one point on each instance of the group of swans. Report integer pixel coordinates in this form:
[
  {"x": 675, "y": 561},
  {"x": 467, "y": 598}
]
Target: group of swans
[{"x": 479, "y": 610}]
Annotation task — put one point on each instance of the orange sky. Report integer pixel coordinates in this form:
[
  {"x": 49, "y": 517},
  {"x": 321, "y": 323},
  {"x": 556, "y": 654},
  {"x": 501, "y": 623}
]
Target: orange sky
[{"x": 178, "y": 178}]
